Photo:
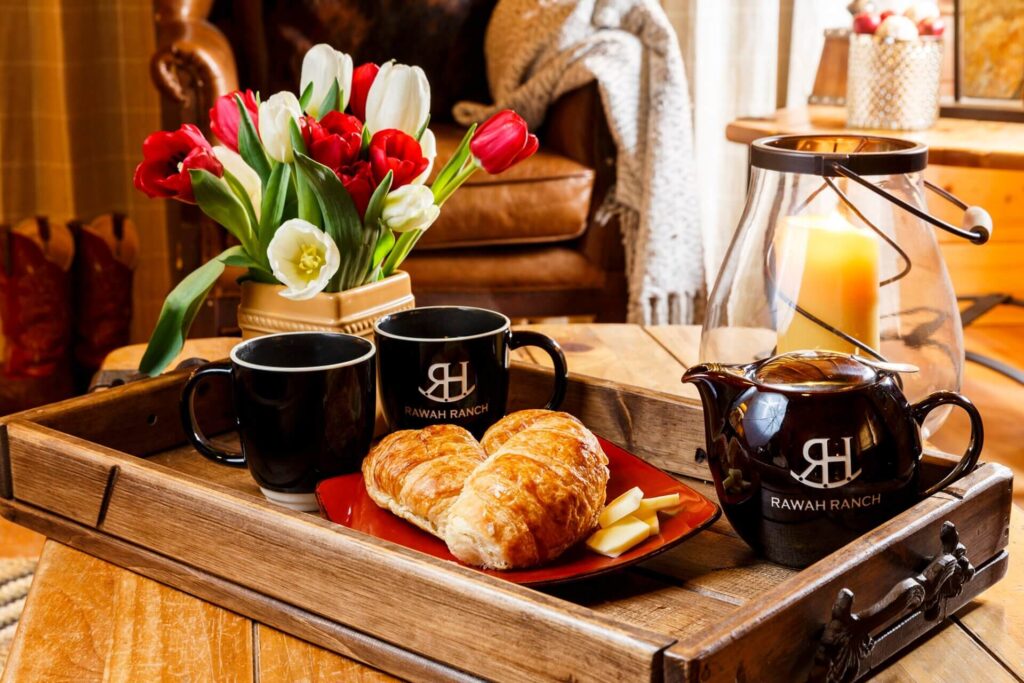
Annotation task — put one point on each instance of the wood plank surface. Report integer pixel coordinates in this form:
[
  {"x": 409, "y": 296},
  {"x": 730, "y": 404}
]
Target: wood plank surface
[
  {"x": 935, "y": 659},
  {"x": 951, "y": 142},
  {"x": 284, "y": 659},
  {"x": 91, "y": 621},
  {"x": 625, "y": 354}
]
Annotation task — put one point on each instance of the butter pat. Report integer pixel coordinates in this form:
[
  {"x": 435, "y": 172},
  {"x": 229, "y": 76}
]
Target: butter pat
[
  {"x": 620, "y": 537},
  {"x": 668, "y": 504},
  {"x": 626, "y": 504},
  {"x": 651, "y": 520}
]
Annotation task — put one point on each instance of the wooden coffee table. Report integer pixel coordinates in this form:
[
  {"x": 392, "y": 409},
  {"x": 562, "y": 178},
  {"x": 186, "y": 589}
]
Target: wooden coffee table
[{"x": 87, "y": 620}]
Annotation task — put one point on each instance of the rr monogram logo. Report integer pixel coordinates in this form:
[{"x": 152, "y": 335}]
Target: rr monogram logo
[
  {"x": 821, "y": 461},
  {"x": 439, "y": 374}
]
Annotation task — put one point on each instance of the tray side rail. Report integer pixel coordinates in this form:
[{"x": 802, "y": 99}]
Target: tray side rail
[
  {"x": 781, "y": 635},
  {"x": 429, "y": 607}
]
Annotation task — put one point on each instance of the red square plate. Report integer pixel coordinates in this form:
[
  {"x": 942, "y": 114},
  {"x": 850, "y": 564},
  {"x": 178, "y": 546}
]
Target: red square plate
[{"x": 344, "y": 500}]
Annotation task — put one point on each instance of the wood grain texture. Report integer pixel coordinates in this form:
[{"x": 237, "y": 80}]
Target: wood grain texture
[
  {"x": 687, "y": 593},
  {"x": 623, "y": 354},
  {"x": 735, "y": 644},
  {"x": 17, "y": 541},
  {"x": 43, "y": 469},
  {"x": 158, "y": 509},
  {"x": 349, "y": 643},
  {"x": 664, "y": 429},
  {"x": 951, "y": 142},
  {"x": 284, "y": 659},
  {"x": 996, "y": 618},
  {"x": 91, "y": 621},
  {"x": 949, "y": 655}
]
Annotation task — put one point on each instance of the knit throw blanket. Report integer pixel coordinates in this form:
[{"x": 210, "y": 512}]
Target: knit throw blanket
[{"x": 538, "y": 50}]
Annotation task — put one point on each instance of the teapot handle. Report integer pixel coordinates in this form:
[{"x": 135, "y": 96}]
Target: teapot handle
[{"x": 970, "y": 458}]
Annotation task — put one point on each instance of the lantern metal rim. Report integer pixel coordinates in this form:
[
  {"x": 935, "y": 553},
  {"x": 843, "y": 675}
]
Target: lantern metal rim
[{"x": 871, "y": 155}]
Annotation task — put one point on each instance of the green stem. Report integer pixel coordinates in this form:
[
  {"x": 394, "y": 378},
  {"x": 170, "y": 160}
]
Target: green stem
[{"x": 442, "y": 194}]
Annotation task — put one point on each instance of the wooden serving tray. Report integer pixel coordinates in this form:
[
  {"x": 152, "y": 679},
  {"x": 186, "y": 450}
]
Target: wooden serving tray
[{"x": 108, "y": 474}]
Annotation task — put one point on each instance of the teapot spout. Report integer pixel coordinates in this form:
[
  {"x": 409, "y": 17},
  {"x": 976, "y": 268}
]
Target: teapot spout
[{"x": 718, "y": 385}]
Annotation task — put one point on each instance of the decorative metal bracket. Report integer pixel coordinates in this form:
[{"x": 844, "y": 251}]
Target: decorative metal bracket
[{"x": 849, "y": 637}]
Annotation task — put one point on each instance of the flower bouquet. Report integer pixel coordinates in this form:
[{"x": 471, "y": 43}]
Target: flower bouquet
[{"x": 323, "y": 192}]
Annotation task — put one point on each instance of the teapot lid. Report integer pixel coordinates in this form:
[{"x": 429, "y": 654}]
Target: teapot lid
[{"x": 817, "y": 371}]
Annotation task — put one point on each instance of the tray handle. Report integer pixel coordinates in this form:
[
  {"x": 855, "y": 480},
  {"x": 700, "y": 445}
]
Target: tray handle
[{"x": 849, "y": 637}]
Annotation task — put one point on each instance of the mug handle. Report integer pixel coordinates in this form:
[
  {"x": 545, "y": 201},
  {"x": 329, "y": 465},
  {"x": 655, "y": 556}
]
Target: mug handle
[
  {"x": 970, "y": 458},
  {"x": 529, "y": 338},
  {"x": 188, "y": 416}
]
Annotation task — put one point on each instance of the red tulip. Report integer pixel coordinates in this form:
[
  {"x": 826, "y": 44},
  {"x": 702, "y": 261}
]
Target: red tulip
[
  {"x": 335, "y": 140},
  {"x": 358, "y": 180},
  {"x": 167, "y": 158},
  {"x": 225, "y": 117},
  {"x": 362, "y": 79},
  {"x": 502, "y": 141},
  {"x": 393, "y": 150}
]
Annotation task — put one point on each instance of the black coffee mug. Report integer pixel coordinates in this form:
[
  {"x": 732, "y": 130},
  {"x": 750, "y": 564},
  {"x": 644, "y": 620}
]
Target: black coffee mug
[
  {"x": 450, "y": 365},
  {"x": 305, "y": 404}
]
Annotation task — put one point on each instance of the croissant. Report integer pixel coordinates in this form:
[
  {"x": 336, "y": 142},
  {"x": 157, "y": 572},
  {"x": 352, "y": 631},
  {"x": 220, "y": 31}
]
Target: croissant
[
  {"x": 540, "y": 491},
  {"x": 417, "y": 474}
]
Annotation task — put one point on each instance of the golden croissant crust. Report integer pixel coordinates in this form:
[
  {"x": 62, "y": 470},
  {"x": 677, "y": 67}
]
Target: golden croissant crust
[
  {"x": 417, "y": 474},
  {"x": 536, "y": 488}
]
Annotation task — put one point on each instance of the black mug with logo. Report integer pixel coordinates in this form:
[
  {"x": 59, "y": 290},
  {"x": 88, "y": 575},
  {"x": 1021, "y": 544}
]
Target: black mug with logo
[
  {"x": 305, "y": 404},
  {"x": 450, "y": 365},
  {"x": 811, "y": 449}
]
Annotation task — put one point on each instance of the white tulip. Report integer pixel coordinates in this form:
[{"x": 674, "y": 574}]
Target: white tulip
[
  {"x": 276, "y": 115},
  {"x": 399, "y": 98},
  {"x": 250, "y": 180},
  {"x": 428, "y": 146},
  {"x": 303, "y": 259},
  {"x": 321, "y": 66},
  {"x": 410, "y": 207}
]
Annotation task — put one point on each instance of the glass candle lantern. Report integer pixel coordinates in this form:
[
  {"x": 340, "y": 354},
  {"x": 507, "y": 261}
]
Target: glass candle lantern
[{"x": 835, "y": 251}]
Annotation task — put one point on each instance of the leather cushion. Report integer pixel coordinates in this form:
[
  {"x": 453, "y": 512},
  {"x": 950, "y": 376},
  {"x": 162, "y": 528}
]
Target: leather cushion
[
  {"x": 544, "y": 199},
  {"x": 502, "y": 270}
]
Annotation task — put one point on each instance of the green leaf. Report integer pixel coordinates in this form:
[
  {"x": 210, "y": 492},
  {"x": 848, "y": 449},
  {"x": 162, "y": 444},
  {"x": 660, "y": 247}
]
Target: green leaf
[
  {"x": 243, "y": 197},
  {"x": 454, "y": 164},
  {"x": 405, "y": 243},
  {"x": 179, "y": 312},
  {"x": 340, "y": 218},
  {"x": 376, "y": 205},
  {"x": 308, "y": 209},
  {"x": 295, "y": 133},
  {"x": 249, "y": 145},
  {"x": 306, "y": 96},
  {"x": 332, "y": 100},
  {"x": 383, "y": 248},
  {"x": 274, "y": 200},
  {"x": 216, "y": 199},
  {"x": 366, "y": 139},
  {"x": 423, "y": 128}
]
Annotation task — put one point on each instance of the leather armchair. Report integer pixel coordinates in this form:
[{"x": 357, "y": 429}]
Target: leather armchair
[{"x": 527, "y": 242}]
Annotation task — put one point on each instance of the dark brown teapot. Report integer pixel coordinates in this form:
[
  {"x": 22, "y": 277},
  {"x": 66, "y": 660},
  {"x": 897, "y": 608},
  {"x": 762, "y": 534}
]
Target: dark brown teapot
[{"x": 810, "y": 449}]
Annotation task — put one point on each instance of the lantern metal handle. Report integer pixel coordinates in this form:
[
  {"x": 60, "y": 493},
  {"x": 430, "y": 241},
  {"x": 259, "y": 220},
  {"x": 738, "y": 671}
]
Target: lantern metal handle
[{"x": 976, "y": 225}]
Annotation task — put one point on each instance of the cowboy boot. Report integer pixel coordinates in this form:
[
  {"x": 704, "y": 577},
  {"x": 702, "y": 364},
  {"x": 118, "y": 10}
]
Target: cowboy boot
[
  {"x": 35, "y": 312},
  {"x": 106, "y": 253}
]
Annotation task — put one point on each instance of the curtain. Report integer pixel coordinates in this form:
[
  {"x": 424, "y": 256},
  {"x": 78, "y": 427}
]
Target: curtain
[
  {"x": 731, "y": 49},
  {"x": 76, "y": 101}
]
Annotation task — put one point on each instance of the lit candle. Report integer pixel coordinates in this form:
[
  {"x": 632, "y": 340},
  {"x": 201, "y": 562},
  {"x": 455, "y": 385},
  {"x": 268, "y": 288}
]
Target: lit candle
[{"x": 830, "y": 269}]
